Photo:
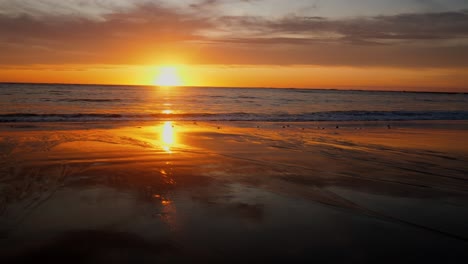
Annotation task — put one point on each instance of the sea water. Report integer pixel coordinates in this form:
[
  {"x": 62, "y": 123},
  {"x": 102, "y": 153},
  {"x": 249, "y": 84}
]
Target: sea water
[{"x": 62, "y": 103}]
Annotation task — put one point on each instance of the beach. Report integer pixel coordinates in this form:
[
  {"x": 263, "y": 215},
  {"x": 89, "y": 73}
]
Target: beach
[
  {"x": 233, "y": 131},
  {"x": 214, "y": 191}
]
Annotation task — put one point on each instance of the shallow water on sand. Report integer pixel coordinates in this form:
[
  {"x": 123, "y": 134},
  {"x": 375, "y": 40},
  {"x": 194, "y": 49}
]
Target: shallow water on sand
[{"x": 237, "y": 192}]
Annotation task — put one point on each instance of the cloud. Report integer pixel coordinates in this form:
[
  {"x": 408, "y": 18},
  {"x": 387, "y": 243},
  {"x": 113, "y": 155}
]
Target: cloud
[
  {"x": 404, "y": 27},
  {"x": 91, "y": 9},
  {"x": 116, "y": 35},
  {"x": 403, "y": 40},
  {"x": 143, "y": 32}
]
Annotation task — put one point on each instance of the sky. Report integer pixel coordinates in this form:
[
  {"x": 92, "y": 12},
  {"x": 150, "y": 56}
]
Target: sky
[{"x": 350, "y": 44}]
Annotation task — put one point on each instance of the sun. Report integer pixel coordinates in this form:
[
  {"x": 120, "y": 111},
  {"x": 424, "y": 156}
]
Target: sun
[{"x": 168, "y": 76}]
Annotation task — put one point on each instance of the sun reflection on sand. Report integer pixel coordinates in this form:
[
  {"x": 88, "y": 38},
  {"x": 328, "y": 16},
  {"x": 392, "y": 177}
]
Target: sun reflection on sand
[
  {"x": 168, "y": 210},
  {"x": 168, "y": 136},
  {"x": 163, "y": 200},
  {"x": 168, "y": 213}
]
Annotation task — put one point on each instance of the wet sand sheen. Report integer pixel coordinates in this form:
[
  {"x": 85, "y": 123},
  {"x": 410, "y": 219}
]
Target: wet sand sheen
[{"x": 188, "y": 192}]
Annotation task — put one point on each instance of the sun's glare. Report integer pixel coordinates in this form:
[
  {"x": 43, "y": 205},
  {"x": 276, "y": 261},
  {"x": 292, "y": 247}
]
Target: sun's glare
[{"x": 168, "y": 76}]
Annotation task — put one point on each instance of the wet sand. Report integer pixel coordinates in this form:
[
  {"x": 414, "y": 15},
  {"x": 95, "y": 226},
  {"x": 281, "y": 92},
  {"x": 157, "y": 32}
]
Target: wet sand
[{"x": 234, "y": 192}]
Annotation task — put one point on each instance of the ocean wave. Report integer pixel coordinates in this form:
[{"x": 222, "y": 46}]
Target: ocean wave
[
  {"x": 277, "y": 117},
  {"x": 88, "y": 100}
]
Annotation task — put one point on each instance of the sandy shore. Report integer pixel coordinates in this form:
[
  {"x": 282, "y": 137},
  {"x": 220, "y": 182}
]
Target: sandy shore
[{"x": 234, "y": 192}]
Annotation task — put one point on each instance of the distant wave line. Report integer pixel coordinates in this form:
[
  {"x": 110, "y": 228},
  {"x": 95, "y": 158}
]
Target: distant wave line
[
  {"x": 241, "y": 116},
  {"x": 88, "y": 100}
]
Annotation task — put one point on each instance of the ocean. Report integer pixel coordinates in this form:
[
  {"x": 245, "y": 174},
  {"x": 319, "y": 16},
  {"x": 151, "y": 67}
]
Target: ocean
[{"x": 76, "y": 103}]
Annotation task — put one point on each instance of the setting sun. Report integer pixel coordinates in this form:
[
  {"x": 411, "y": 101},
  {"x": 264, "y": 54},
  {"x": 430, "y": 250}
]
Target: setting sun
[{"x": 168, "y": 76}]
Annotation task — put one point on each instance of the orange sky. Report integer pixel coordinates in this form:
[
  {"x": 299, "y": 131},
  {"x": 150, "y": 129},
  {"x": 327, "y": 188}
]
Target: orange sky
[
  {"x": 251, "y": 76},
  {"x": 261, "y": 43}
]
